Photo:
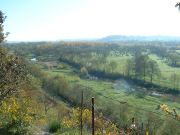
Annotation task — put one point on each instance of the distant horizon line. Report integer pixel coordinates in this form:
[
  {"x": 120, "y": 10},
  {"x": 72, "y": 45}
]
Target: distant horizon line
[{"x": 94, "y": 38}]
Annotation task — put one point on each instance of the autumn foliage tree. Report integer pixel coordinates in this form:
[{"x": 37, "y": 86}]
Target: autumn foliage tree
[{"x": 13, "y": 71}]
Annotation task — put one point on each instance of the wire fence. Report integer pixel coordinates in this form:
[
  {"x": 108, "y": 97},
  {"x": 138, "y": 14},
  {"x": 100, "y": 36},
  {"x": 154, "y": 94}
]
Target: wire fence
[
  {"x": 131, "y": 126},
  {"x": 136, "y": 106}
]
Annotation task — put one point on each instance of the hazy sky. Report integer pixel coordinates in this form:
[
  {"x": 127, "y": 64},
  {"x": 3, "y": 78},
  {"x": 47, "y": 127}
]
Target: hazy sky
[{"x": 69, "y": 19}]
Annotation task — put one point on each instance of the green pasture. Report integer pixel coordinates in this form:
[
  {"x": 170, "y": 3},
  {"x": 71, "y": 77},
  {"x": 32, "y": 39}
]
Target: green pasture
[
  {"x": 105, "y": 88},
  {"x": 121, "y": 62},
  {"x": 167, "y": 72}
]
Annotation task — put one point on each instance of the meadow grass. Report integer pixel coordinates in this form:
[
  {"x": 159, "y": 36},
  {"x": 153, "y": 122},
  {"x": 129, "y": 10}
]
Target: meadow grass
[
  {"x": 164, "y": 80},
  {"x": 121, "y": 62},
  {"x": 105, "y": 88},
  {"x": 166, "y": 72}
]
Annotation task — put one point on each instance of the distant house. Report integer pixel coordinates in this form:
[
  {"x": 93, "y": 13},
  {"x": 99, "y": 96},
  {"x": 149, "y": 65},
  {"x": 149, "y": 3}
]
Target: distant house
[{"x": 33, "y": 59}]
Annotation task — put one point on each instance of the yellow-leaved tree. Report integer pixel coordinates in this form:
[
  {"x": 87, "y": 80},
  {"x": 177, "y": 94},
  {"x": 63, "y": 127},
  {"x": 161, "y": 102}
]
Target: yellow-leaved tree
[
  {"x": 17, "y": 109},
  {"x": 102, "y": 125}
]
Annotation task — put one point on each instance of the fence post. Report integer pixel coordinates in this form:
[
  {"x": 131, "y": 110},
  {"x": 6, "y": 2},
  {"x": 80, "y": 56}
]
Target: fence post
[
  {"x": 81, "y": 112},
  {"x": 133, "y": 120},
  {"x": 92, "y": 115},
  {"x": 142, "y": 128}
]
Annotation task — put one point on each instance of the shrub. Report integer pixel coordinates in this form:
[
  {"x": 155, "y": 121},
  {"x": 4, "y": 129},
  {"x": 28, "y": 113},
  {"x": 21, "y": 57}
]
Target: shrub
[
  {"x": 16, "y": 116},
  {"x": 54, "y": 126}
]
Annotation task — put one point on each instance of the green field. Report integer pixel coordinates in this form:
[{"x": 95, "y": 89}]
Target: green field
[
  {"x": 121, "y": 62},
  {"x": 165, "y": 79},
  {"x": 104, "y": 88}
]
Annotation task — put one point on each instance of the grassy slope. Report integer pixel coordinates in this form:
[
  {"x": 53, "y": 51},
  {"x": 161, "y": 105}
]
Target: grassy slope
[{"x": 104, "y": 87}]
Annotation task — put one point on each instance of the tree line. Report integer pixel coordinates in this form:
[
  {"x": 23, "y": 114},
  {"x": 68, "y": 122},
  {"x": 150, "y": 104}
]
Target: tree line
[{"x": 94, "y": 57}]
